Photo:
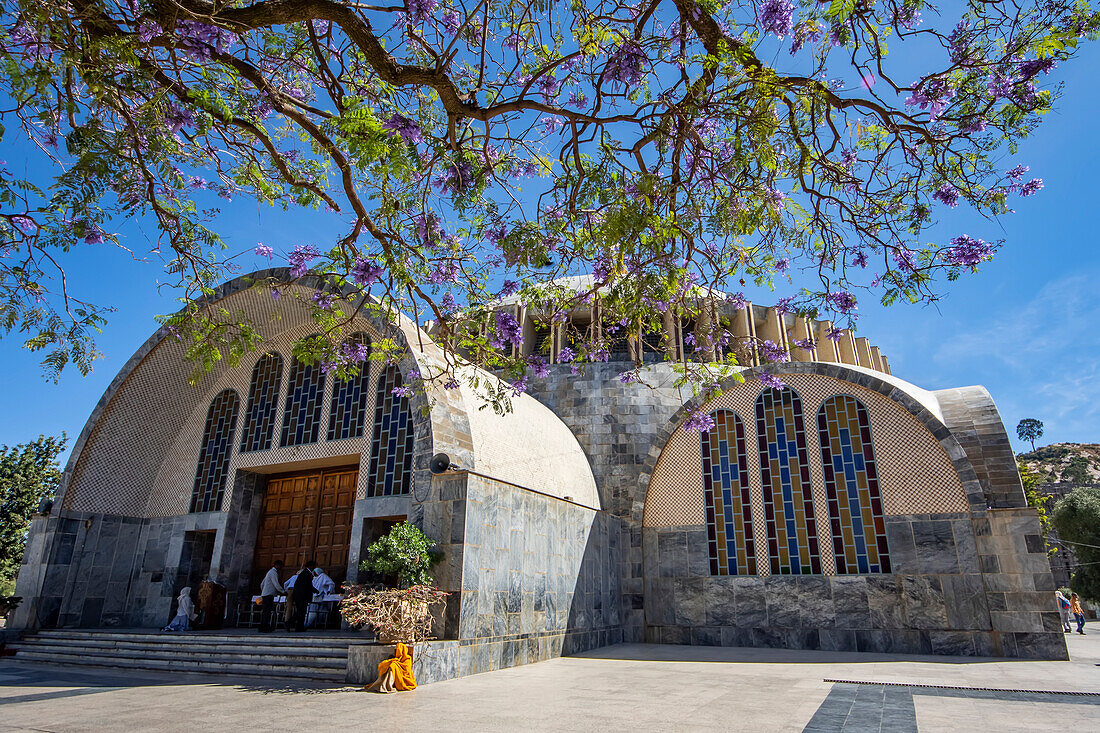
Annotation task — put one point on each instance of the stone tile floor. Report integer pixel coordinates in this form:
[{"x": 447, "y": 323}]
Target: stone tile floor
[{"x": 635, "y": 687}]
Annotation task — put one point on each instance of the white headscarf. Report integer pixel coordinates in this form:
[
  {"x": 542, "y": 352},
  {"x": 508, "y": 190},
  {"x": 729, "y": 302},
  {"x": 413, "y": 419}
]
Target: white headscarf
[{"x": 187, "y": 606}]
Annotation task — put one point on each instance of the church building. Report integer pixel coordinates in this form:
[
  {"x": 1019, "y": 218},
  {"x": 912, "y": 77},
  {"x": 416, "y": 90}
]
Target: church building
[{"x": 849, "y": 511}]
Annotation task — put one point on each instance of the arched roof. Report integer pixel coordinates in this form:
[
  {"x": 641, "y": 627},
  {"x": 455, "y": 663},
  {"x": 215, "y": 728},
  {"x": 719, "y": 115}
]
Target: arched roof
[{"x": 116, "y": 462}]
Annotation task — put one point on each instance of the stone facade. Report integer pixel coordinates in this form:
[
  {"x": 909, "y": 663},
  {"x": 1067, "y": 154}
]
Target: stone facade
[{"x": 552, "y": 536}]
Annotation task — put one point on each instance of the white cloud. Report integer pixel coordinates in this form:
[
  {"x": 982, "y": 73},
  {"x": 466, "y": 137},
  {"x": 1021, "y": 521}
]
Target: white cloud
[{"x": 1048, "y": 350}]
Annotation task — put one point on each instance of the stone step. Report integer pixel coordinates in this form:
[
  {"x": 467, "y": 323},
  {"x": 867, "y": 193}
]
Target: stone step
[
  {"x": 312, "y": 640},
  {"x": 209, "y": 666},
  {"x": 159, "y": 645},
  {"x": 299, "y": 658}
]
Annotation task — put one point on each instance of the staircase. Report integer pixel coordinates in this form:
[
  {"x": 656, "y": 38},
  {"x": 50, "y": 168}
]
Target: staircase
[{"x": 313, "y": 657}]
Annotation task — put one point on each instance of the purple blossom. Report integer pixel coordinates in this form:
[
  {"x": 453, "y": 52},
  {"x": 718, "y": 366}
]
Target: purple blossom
[
  {"x": 365, "y": 272},
  {"x": 783, "y": 265},
  {"x": 25, "y": 223},
  {"x": 776, "y": 17},
  {"x": 451, "y": 22},
  {"x": 784, "y": 306},
  {"x": 445, "y": 271},
  {"x": 737, "y": 300},
  {"x": 402, "y": 391},
  {"x": 458, "y": 177},
  {"x": 519, "y": 386},
  {"x": 1031, "y": 186},
  {"x": 323, "y": 300},
  {"x": 948, "y": 194},
  {"x": 903, "y": 257},
  {"x": 447, "y": 303},
  {"x": 626, "y": 65},
  {"x": 508, "y": 332},
  {"x": 551, "y": 124},
  {"x": 451, "y": 383},
  {"x": 147, "y": 30},
  {"x": 1018, "y": 172},
  {"x": 93, "y": 234},
  {"x": 577, "y": 99},
  {"x": 509, "y": 288},
  {"x": 806, "y": 344},
  {"x": 628, "y": 377},
  {"x": 566, "y": 355},
  {"x": 275, "y": 294},
  {"x": 199, "y": 40},
  {"x": 177, "y": 117},
  {"x": 811, "y": 31},
  {"x": 540, "y": 367},
  {"x": 773, "y": 352},
  {"x": 974, "y": 123},
  {"x": 933, "y": 95},
  {"x": 860, "y": 260},
  {"x": 699, "y": 422},
  {"x": 409, "y": 131},
  {"x": 966, "y": 251},
  {"x": 354, "y": 352},
  {"x": 263, "y": 250},
  {"x": 1034, "y": 67},
  {"x": 299, "y": 259},
  {"x": 1000, "y": 86},
  {"x": 834, "y": 335},
  {"x": 849, "y": 158},
  {"x": 548, "y": 87},
  {"x": 770, "y": 380},
  {"x": 421, "y": 10},
  {"x": 843, "y": 301},
  {"x": 514, "y": 41}
]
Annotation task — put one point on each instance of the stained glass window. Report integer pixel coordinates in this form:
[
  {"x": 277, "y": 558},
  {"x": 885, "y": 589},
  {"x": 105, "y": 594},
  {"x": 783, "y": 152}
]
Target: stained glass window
[
  {"x": 214, "y": 453},
  {"x": 785, "y": 479},
  {"x": 348, "y": 411},
  {"x": 263, "y": 397},
  {"x": 851, "y": 483},
  {"x": 392, "y": 442},
  {"x": 305, "y": 391},
  {"x": 726, "y": 488}
]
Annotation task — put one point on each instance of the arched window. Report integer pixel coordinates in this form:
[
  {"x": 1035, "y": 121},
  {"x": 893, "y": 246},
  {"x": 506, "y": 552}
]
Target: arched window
[
  {"x": 305, "y": 391},
  {"x": 785, "y": 479},
  {"x": 263, "y": 396},
  {"x": 726, "y": 488},
  {"x": 391, "y": 445},
  {"x": 851, "y": 483},
  {"x": 348, "y": 411},
  {"x": 217, "y": 445}
]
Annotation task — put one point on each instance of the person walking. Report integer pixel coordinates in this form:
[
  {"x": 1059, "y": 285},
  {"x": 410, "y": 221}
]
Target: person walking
[
  {"x": 1063, "y": 610},
  {"x": 302, "y": 594},
  {"x": 1078, "y": 612},
  {"x": 269, "y": 588}
]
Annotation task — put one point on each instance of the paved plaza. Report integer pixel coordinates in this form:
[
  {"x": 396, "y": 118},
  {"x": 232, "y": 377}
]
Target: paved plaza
[{"x": 625, "y": 687}]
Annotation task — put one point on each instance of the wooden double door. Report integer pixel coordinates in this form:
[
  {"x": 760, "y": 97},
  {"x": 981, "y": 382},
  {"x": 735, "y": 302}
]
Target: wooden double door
[{"x": 306, "y": 516}]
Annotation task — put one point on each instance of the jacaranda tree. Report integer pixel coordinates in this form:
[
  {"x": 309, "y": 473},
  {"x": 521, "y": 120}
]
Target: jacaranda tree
[{"x": 478, "y": 148}]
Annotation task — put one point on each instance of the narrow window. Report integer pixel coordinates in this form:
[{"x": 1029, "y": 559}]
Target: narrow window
[
  {"x": 263, "y": 396},
  {"x": 305, "y": 390},
  {"x": 785, "y": 479},
  {"x": 726, "y": 489},
  {"x": 214, "y": 453},
  {"x": 348, "y": 410},
  {"x": 392, "y": 442},
  {"x": 851, "y": 483}
]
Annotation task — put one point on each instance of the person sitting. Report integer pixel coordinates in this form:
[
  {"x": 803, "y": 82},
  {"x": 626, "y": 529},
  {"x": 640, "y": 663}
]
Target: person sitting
[
  {"x": 185, "y": 612},
  {"x": 302, "y": 594}
]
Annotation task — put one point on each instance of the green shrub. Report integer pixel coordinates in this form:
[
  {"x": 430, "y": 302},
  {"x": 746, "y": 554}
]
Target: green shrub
[{"x": 404, "y": 553}]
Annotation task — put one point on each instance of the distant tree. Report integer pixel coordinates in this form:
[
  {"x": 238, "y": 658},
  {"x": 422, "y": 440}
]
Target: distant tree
[
  {"x": 1077, "y": 521},
  {"x": 1038, "y": 501},
  {"x": 1030, "y": 429},
  {"x": 29, "y": 472}
]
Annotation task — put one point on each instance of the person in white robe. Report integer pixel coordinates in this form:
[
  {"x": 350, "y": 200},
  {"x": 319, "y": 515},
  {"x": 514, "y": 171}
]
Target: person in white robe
[{"x": 185, "y": 612}]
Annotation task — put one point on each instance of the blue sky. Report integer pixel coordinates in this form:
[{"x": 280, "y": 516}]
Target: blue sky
[{"x": 1026, "y": 326}]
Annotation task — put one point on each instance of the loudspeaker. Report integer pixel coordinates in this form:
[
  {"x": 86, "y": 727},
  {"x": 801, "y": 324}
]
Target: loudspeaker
[{"x": 440, "y": 463}]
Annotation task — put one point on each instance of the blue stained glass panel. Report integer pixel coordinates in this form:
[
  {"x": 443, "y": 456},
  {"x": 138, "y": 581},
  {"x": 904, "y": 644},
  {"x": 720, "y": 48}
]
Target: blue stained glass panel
[{"x": 214, "y": 452}]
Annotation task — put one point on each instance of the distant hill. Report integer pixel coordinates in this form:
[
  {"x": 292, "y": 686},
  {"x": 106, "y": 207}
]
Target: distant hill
[{"x": 1078, "y": 463}]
